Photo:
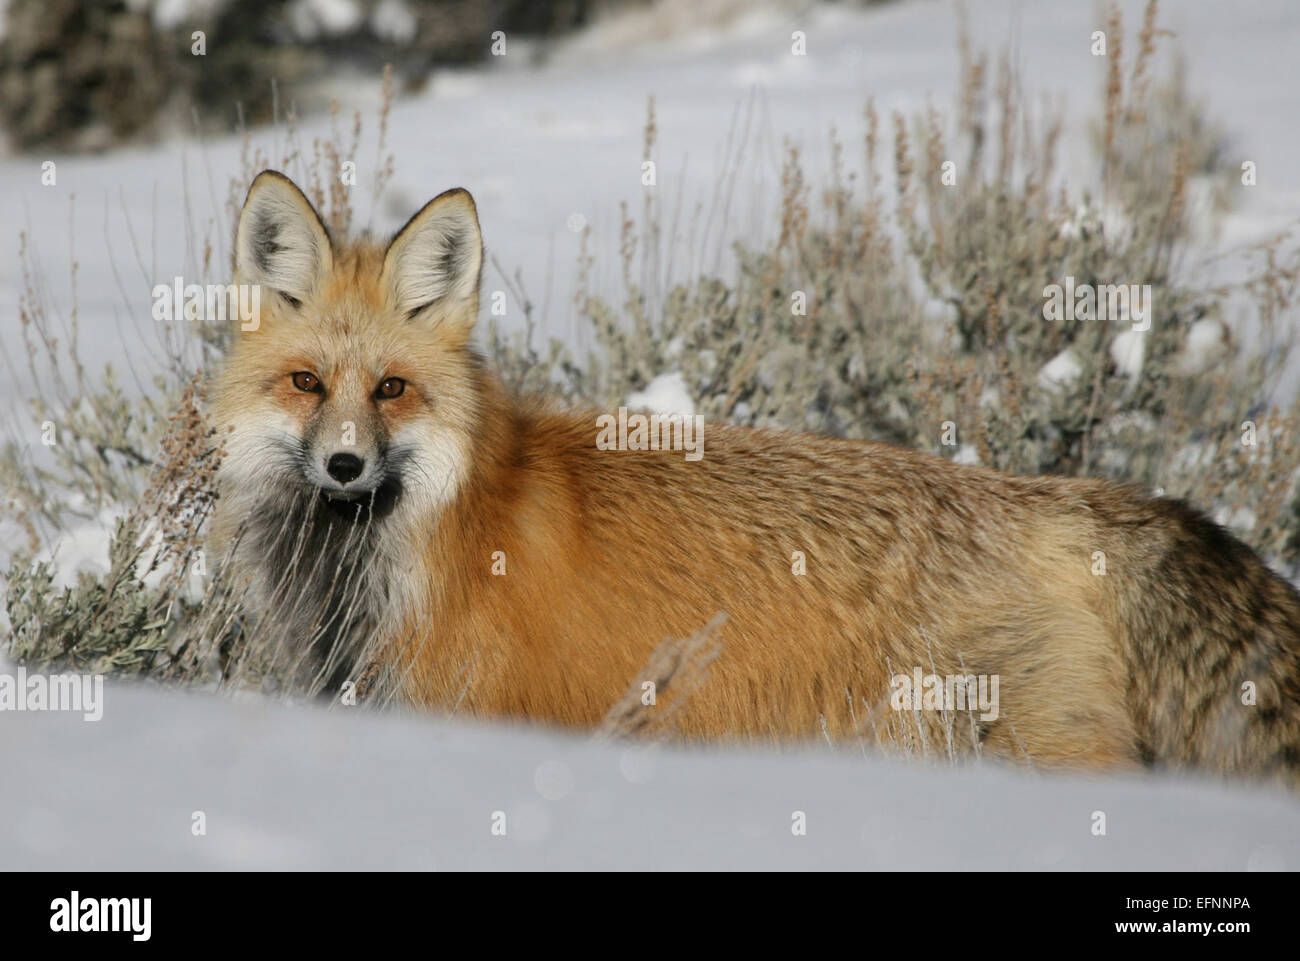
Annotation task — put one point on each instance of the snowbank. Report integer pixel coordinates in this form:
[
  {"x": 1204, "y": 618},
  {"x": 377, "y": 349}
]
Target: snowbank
[{"x": 305, "y": 788}]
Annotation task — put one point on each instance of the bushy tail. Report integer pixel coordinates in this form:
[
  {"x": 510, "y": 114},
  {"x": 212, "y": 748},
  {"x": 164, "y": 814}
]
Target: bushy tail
[{"x": 1213, "y": 645}]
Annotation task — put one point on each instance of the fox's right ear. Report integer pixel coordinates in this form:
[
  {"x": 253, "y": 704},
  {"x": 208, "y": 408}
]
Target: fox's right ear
[{"x": 281, "y": 242}]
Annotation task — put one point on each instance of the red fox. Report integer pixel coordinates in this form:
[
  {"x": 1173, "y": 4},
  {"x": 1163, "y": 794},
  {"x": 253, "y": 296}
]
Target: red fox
[{"x": 381, "y": 487}]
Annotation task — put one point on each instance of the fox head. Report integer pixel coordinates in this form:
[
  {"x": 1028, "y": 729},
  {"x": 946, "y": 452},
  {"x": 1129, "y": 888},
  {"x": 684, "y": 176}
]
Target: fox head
[{"x": 352, "y": 386}]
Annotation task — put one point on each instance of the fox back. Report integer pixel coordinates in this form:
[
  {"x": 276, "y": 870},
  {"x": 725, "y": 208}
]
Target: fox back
[{"x": 386, "y": 500}]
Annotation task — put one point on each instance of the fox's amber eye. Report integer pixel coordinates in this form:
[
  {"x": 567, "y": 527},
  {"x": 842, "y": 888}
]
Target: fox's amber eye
[
  {"x": 392, "y": 387},
  {"x": 307, "y": 381}
]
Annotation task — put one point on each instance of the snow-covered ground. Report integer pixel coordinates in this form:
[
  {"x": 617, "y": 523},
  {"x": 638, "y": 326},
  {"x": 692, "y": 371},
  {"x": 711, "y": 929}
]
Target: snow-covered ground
[
  {"x": 296, "y": 788},
  {"x": 544, "y": 149}
]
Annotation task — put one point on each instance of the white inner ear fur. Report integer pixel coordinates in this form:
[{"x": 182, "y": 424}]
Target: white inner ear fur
[
  {"x": 437, "y": 256},
  {"x": 279, "y": 242}
]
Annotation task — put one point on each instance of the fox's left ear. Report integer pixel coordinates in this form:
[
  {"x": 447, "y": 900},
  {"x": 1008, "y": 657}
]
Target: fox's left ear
[{"x": 433, "y": 265}]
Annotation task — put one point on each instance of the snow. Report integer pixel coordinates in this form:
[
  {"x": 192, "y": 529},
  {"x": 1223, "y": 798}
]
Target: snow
[
  {"x": 1060, "y": 372},
  {"x": 82, "y": 548},
  {"x": 547, "y": 152},
  {"x": 665, "y": 394},
  {"x": 1204, "y": 347},
  {"x": 312, "y": 789},
  {"x": 1240, "y": 520},
  {"x": 1128, "y": 350}
]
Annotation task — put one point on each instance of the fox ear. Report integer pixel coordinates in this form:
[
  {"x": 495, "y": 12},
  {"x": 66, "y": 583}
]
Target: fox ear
[
  {"x": 281, "y": 242},
  {"x": 433, "y": 265}
]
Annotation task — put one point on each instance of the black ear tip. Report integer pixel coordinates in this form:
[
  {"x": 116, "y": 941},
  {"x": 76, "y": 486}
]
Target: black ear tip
[
  {"x": 269, "y": 177},
  {"x": 269, "y": 174},
  {"x": 458, "y": 194},
  {"x": 265, "y": 178}
]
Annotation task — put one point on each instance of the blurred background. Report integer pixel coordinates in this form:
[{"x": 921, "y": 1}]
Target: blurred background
[{"x": 87, "y": 74}]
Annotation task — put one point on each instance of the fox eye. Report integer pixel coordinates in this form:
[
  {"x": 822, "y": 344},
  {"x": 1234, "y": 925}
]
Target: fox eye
[
  {"x": 392, "y": 387},
  {"x": 305, "y": 380}
]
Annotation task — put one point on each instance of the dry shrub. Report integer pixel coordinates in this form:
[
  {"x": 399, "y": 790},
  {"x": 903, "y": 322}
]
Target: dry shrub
[
  {"x": 917, "y": 315},
  {"x": 675, "y": 670}
]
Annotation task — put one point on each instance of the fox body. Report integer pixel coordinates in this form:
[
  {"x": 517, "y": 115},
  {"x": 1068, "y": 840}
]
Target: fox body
[{"x": 380, "y": 487}]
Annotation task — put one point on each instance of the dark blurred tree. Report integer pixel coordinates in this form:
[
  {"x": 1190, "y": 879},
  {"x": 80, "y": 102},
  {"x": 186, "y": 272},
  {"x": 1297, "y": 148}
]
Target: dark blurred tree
[
  {"x": 77, "y": 75},
  {"x": 85, "y": 74}
]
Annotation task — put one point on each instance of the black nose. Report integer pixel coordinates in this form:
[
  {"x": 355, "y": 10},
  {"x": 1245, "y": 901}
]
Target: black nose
[{"x": 345, "y": 468}]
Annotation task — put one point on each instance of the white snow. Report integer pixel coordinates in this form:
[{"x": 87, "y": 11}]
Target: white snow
[
  {"x": 697, "y": 26},
  {"x": 84, "y": 545},
  {"x": 81, "y": 548},
  {"x": 306, "y": 788},
  {"x": 1128, "y": 350},
  {"x": 1204, "y": 347},
  {"x": 1240, "y": 520},
  {"x": 665, "y": 394},
  {"x": 1060, "y": 372}
]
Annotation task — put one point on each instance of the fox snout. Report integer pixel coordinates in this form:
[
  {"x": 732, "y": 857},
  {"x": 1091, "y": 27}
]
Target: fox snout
[
  {"x": 355, "y": 482},
  {"x": 346, "y": 472}
]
